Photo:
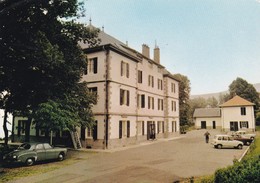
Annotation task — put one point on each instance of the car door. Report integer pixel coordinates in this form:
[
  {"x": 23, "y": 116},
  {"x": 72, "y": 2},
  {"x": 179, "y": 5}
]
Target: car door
[
  {"x": 50, "y": 151},
  {"x": 40, "y": 152},
  {"x": 225, "y": 142}
]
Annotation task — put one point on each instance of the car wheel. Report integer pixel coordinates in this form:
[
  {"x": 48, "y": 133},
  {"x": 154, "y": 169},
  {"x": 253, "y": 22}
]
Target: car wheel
[
  {"x": 248, "y": 143},
  {"x": 240, "y": 146},
  {"x": 61, "y": 157},
  {"x": 219, "y": 146},
  {"x": 29, "y": 162}
]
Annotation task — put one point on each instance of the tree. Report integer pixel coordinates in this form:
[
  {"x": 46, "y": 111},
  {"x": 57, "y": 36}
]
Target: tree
[
  {"x": 195, "y": 103},
  {"x": 41, "y": 59},
  {"x": 245, "y": 90},
  {"x": 184, "y": 95},
  {"x": 67, "y": 112},
  {"x": 212, "y": 102}
]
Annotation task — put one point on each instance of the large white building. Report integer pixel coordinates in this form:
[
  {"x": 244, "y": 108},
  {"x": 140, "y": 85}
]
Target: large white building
[{"x": 138, "y": 99}]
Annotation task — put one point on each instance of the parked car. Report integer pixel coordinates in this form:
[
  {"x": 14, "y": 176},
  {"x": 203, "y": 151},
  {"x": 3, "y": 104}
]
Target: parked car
[
  {"x": 29, "y": 153},
  {"x": 245, "y": 134},
  {"x": 226, "y": 141},
  {"x": 5, "y": 149},
  {"x": 245, "y": 140}
]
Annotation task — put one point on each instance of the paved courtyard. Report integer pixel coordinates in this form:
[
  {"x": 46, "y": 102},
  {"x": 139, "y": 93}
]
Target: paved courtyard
[{"x": 153, "y": 162}]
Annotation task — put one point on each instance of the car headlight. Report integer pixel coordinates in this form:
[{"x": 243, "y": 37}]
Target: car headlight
[{"x": 14, "y": 156}]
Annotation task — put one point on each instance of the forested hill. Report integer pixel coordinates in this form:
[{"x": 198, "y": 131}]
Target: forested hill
[{"x": 216, "y": 95}]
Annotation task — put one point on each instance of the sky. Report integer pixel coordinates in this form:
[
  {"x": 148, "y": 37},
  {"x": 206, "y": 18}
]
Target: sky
[{"x": 212, "y": 42}]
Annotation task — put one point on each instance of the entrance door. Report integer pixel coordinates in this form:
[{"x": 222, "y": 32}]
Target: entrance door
[
  {"x": 214, "y": 124},
  {"x": 233, "y": 126},
  {"x": 203, "y": 125},
  {"x": 150, "y": 130}
]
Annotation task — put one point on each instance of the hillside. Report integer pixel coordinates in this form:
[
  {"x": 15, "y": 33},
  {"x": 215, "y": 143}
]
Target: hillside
[{"x": 216, "y": 95}]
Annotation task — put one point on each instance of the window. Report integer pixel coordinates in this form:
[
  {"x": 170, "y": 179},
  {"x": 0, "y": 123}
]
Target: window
[
  {"x": 39, "y": 146},
  {"x": 173, "y": 87},
  {"x": 89, "y": 132},
  {"x": 150, "y": 81},
  {"x": 124, "y": 69},
  {"x": 160, "y": 104},
  {"x": 159, "y": 126},
  {"x": 141, "y": 101},
  {"x": 140, "y": 128},
  {"x": 124, "y": 129},
  {"x": 243, "y": 111},
  {"x": 140, "y": 76},
  {"x": 124, "y": 97},
  {"x": 160, "y": 84},
  {"x": 174, "y": 126},
  {"x": 173, "y": 106},
  {"x": 92, "y": 132},
  {"x": 150, "y": 102},
  {"x": 47, "y": 146},
  {"x": 92, "y": 66},
  {"x": 21, "y": 127},
  {"x": 243, "y": 124},
  {"x": 93, "y": 90}
]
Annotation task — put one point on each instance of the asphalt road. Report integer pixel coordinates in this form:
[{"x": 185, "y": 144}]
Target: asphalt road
[{"x": 153, "y": 162}]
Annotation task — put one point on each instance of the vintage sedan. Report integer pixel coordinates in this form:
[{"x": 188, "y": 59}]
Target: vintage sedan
[
  {"x": 245, "y": 134},
  {"x": 29, "y": 153},
  {"x": 226, "y": 141},
  {"x": 245, "y": 140}
]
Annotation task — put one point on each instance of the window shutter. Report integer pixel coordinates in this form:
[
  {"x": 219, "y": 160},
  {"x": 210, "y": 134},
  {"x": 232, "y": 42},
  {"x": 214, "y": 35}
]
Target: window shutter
[
  {"x": 95, "y": 131},
  {"x": 128, "y": 129},
  {"x": 163, "y": 126},
  {"x": 120, "y": 129},
  {"x": 122, "y": 68},
  {"x": 86, "y": 70},
  {"x": 143, "y": 101},
  {"x": 128, "y": 96},
  {"x": 127, "y": 70},
  {"x": 142, "y": 127},
  {"x": 121, "y": 96},
  {"x": 95, "y": 65},
  {"x": 240, "y": 123}
]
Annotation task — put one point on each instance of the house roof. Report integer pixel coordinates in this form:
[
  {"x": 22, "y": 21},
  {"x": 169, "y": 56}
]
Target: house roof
[
  {"x": 207, "y": 112},
  {"x": 237, "y": 101}
]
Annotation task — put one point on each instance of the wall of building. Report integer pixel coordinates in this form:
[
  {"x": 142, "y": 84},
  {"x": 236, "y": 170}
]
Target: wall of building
[
  {"x": 209, "y": 122},
  {"x": 233, "y": 114}
]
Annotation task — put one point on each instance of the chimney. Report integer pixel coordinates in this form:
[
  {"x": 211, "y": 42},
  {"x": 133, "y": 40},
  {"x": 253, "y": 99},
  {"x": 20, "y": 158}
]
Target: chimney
[
  {"x": 156, "y": 54},
  {"x": 146, "y": 50}
]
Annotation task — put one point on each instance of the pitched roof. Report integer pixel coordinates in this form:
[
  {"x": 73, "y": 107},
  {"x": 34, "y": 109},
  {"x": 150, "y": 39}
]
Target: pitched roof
[
  {"x": 237, "y": 101},
  {"x": 207, "y": 112}
]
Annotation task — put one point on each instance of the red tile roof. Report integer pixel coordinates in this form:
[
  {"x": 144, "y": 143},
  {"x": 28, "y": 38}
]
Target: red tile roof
[{"x": 237, "y": 101}]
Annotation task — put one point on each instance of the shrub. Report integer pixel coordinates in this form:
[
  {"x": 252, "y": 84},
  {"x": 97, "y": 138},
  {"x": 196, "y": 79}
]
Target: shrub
[{"x": 245, "y": 171}]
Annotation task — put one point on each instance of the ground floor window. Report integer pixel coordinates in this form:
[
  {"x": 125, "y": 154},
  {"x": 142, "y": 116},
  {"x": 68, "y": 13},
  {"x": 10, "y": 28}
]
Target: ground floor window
[
  {"x": 124, "y": 129},
  {"x": 92, "y": 132},
  {"x": 21, "y": 127},
  {"x": 160, "y": 126},
  {"x": 203, "y": 125},
  {"x": 140, "y": 128},
  {"x": 174, "y": 128},
  {"x": 243, "y": 124},
  {"x": 233, "y": 126}
]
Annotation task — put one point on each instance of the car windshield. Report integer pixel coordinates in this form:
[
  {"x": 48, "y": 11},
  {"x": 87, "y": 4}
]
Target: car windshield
[{"x": 24, "y": 146}]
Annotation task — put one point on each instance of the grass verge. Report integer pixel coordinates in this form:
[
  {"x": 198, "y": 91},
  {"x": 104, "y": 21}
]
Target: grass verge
[{"x": 14, "y": 173}]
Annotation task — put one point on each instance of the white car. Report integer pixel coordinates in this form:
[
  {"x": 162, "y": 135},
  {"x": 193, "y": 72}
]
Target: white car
[
  {"x": 245, "y": 134},
  {"x": 226, "y": 141}
]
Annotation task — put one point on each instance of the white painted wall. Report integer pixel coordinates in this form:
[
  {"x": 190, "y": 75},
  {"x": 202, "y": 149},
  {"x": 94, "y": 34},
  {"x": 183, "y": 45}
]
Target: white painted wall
[
  {"x": 234, "y": 114},
  {"x": 209, "y": 122},
  {"x": 10, "y": 119}
]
